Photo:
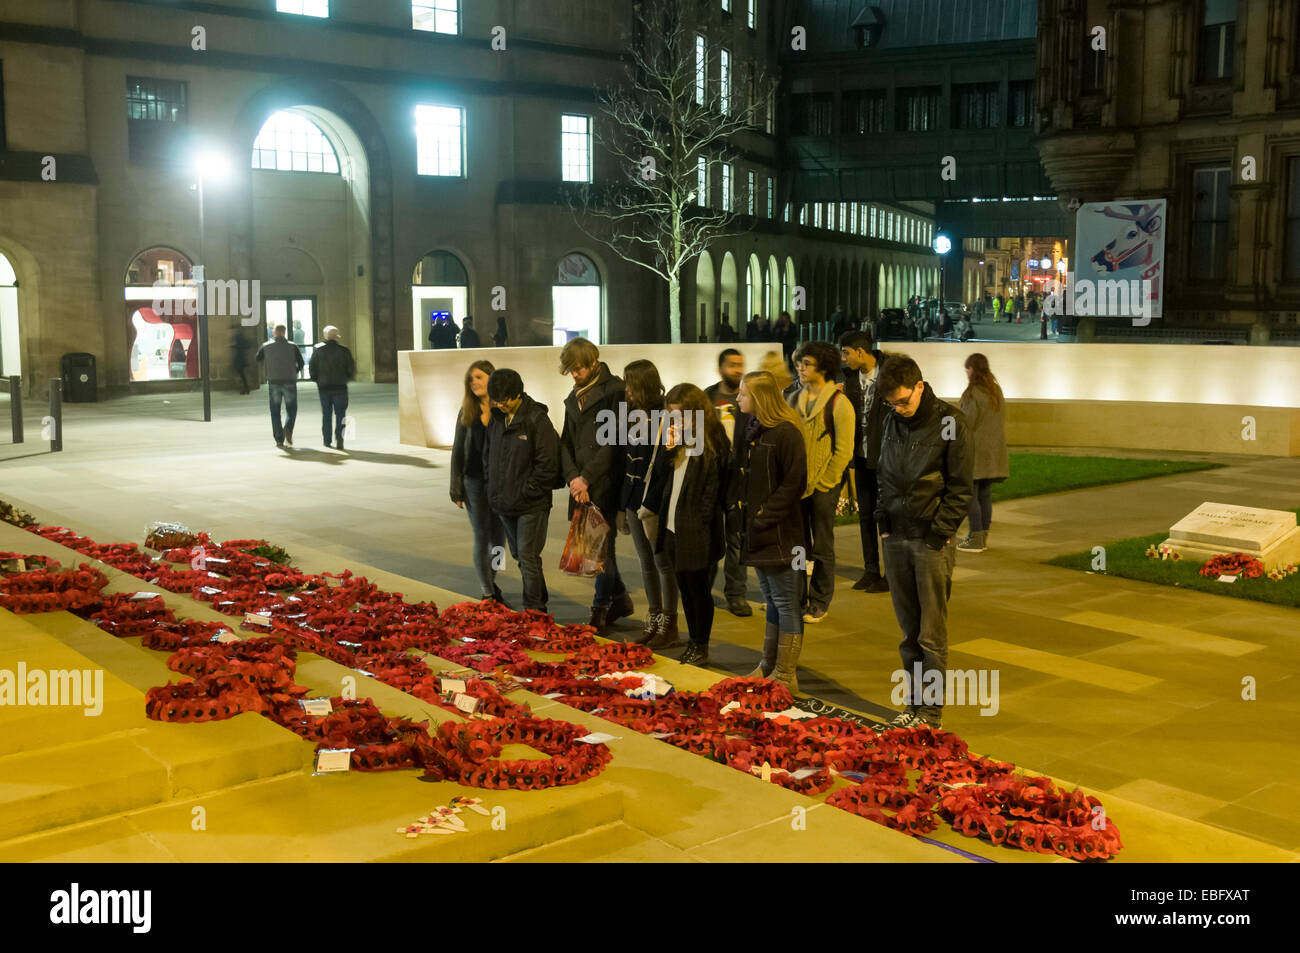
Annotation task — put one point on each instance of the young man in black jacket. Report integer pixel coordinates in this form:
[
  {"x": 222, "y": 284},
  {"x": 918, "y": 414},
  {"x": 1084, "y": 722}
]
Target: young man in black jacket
[
  {"x": 592, "y": 464},
  {"x": 925, "y": 476},
  {"x": 723, "y": 396},
  {"x": 331, "y": 367},
  {"x": 520, "y": 466},
  {"x": 861, "y": 371}
]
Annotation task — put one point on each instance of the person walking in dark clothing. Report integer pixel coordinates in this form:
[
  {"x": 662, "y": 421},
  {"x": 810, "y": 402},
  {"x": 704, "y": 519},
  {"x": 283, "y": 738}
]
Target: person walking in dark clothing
[
  {"x": 726, "y": 333},
  {"x": 468, "y": 336},
  {"x": 925, "y": 476},
  {"x": 520, "y": 466},
  {"x": 281, "y": 363},
  {"x": 724, "y": 396},
  {"x": 468, "y": 486},
  {"x": 332, "y": 366},
  {"x": 862, "y": 369},
  {"x": 239, "y": 350},
  {"x": 785, "y": 331},
  {"x": 502, "y": 333},
  {"x": 593, "y": 467}
]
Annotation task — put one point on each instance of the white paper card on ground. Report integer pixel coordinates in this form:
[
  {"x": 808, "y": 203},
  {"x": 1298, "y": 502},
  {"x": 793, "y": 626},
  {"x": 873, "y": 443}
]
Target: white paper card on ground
[
  {"x": 317, "y": 707},
  {"x": 1227, "y": 578},
  {"x": 597, "y": 738},
  {"x": 142, "y": 596},
  {"x": 455, "y": 685},
  {"x": 803, "y": 773},
  {"x": 466, "y": 703},
  {"x": 554, "y": 695},
  {"x": 225, "y": 635},
  {"x": 728, "y": 707},
  {"x": 798, "y": 714},
  {"x": 339, "y": 759},
  {"x": 257, "y": 618}
]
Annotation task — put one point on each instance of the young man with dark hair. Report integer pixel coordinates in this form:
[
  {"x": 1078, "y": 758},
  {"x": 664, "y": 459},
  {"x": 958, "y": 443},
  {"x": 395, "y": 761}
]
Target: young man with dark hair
[
  {"x": 828, "y": 424},
  {"x": 520, "y": 465},
  {"x": 925, "y": 475},
  {"x": 862, "y": 364},
  {"x": 724, "y": 396},
  {"x": 592, "y": 468}
]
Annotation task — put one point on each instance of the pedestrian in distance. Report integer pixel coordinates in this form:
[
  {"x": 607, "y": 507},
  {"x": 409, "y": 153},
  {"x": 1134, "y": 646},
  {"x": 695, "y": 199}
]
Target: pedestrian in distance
[
  {"x": 468, "y": 336},
  {"x": 332, "y": 366},
  {"x": 502, "y": 334},
  {"x": 520, "y": 467},
  {"x": 239, "y": 351},
  {"x": 724, "y": 395},
  {"x": 468, "y": 484},
  {"x": 281, "y": 363},
  {"x": 862, "y": 362}
]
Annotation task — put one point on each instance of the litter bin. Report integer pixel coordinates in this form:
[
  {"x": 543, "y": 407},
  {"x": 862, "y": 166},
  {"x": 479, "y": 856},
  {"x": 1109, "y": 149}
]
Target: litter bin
[{"x": 79, "y": 379}]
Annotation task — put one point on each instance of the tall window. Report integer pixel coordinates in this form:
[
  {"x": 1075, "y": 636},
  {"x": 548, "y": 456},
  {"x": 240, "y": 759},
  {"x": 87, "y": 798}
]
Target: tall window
[
  {"x": 1092, "y": 64},
  {"x": 976, "y": 106},
  {"x": 701, "y": 69},
  {"x": 440, "y": 140},
  {"x": 853, "y": 219},
  {"x": 3, "y": 146},
  {"x": 830, "y": 216},
  {"x": 873, "y": 222},
  {"x": 751, "y": 192},
  {"x": 726, "y": 6},
  {"x": 785, "y": 212},
  {"x": 1292, "y": 271},
  {"x": 701, "y": 182},
  {"x": 157, "y": 113},
  {"x": 307, "y": 8},
  {"x": 436, "y": 16},
  {"x": 289, "y": 142},
  {"x": 1217, "y": 41},
  {"x": 817, "y": 215},
  {"x": 726, "y": 186},
  {"x": 724, "y": 81},
  {"x": 751, "y": 92},
  {"x": 771, "y": 199},
  {"x": 753, "y": 14},
  {"x": 843, "y": 220},
  {"x": 769, "y": 115},
  {"x": 803, "y": 214},
  {"x": 1209, "y": 245},
  {"x": 918, "y": 108},
  {"x": 575, "y": 147},
  {"x": 1020, "y": 104},
  {"x": 810, "y": 114},
  {"x": 864, "y": 112}
]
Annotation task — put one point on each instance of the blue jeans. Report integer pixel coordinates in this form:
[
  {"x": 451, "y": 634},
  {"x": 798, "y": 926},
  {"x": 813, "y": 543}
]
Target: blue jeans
[
  {"x": 288, "y": 394},
  {"x": 488, "y": 534},
  {"x": 920, "y": 582},
  {"x": 609, "y": 584},
  {"x": 527, "y": 536},
  {"x": 780, "y": 589},
  {"x": 333, "y": 402}
]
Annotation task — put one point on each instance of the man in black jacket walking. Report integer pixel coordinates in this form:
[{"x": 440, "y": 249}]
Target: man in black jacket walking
[
  {"x": 592, "y": 465},
  {"x": 925, "y": 476},
  {"x": 331, "y": 367},
  {"x": 520, "y": 466},
  {"x": 861, "y": 371},
  {"x": 281, "y": 361}
]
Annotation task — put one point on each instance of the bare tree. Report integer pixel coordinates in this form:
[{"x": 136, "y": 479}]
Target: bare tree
[{"x": 656, "y": 126}]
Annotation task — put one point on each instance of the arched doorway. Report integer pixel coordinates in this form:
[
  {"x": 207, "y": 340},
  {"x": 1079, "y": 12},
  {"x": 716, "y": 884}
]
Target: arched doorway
[
  {"x": 788, "y": 284},
  {"x": 772, "y": 304},
  {"x": 161, "y": 316},
  {"x": 756, "y": 294},
  {"x": 728, "y": 296},
  {"x": 576, "y": 305},
  {"x": 10, "y": 338},
  {"x": 705, "y": 295},
  {"x": 439, "y": 289}
]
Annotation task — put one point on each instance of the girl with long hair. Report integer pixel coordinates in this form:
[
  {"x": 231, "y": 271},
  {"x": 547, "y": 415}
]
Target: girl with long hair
[
  {"x": 770, "y": 465},
  {"x": 468, "y": 487},
  {"x": 690, "y": 512},
  {"x": 645, "y": 393},
  {"x": 984, "y": 407}
]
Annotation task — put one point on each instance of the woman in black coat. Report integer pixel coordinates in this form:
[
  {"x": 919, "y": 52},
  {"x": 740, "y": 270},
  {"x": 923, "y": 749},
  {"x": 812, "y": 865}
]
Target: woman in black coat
[
  {"x": 770, "y": 465},
  {"x": 689, "y": 504},
  {"x": 468, "y": 486}
]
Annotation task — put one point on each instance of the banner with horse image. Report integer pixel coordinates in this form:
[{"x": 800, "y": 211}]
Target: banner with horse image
[{"x": 1124, "y": 241}]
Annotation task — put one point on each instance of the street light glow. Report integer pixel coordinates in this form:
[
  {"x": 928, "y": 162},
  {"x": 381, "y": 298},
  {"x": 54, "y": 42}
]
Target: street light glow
[
  {"x": 942, "y": 244},
  {"x": 212, "y": 166}
]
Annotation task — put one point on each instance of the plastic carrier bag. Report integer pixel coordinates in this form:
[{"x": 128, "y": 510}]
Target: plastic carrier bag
[{"x": 584, "y": 549}]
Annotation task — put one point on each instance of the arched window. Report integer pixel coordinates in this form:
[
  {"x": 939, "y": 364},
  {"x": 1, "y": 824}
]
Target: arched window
[
  {"x": 289, "y": 142},
  {"x": 576, "y": 306},
  {"x": 161, "y": 313},
  {"x": 439, "y": 292}
]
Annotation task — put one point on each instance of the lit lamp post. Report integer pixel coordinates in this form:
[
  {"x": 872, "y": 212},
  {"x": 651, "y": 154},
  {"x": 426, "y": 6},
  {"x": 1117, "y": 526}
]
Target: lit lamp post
[
  {"x": 942, "y": 245},
  {"x": 209, "y": 167}
]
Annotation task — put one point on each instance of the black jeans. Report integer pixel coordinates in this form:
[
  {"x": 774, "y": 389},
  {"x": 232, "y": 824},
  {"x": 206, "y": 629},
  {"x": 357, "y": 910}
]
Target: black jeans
[
  {"x": 735, "y": 574},
  {"x": 981, "y": 506},
  {"x": 527, "y": 536},
  {"x": 868, "y": 494},
  {"x": 489, "y": 536},
  {"x": 696, "y": 594},
  {"x": 920, "y": 582},
  {"x": 333, "y": 402},
  {"x": 819, "y": 531}
]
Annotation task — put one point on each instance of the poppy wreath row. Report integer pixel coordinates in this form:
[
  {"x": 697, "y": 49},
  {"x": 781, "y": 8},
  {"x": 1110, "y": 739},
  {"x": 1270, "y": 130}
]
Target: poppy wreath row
[
  {"x": 170, "y": 636},
  {"x": 264, "y": 663},
  {"x": 125, "y": 617},
  {"x": 1233, "y": 564},
  {"x": 44, "y": 591},
  {"x": 207, "y": 699},
  {"x": 33, "y": 562},
  {"x": 466, "y": 753}
]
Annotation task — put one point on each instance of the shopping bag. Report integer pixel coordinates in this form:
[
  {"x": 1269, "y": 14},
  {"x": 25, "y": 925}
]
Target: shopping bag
[{"x": 584, "y": 548}]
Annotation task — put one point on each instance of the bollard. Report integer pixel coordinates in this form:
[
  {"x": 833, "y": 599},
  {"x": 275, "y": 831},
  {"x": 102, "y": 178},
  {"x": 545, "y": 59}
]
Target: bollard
[
  {"x": 55, "y": 419},
  {"x": 16, "y": 406}
]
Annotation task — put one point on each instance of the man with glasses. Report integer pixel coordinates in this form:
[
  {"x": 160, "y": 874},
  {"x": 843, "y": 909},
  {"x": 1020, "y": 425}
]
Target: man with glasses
[
  {"x": 925, "y": 486},
  {"x": 521, "y": 461}
]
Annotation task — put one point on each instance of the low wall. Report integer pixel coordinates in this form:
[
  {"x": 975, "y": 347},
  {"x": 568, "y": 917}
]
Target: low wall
[{"x": 1148, "y": 396}]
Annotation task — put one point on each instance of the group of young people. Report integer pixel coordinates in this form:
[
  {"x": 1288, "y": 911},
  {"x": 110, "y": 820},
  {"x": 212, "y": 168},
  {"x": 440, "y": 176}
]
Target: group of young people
[{"x": 749, "y": 474}]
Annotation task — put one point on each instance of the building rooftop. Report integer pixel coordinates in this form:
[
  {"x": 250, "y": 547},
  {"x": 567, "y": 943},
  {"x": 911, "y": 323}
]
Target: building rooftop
[{"x": 911, "y": 23}]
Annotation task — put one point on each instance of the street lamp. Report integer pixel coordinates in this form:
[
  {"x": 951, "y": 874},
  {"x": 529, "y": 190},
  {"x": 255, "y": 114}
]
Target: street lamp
[
  {"x": 209, "y": 166},
  {"x": 942, "y": 246}
]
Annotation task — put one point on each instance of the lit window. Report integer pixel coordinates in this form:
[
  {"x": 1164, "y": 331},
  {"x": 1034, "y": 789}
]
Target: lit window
[
  {"x": 853, "y": 219},
  {"x": 873, "y": 221},
  {"x": 440, "y": 140},
  {"x": 306, "y": 8},
  {"x": 750, "y": 197},
  {"x": 753, "y": 13},
  {"x": 701, "y": 182},
  {"x": 288, "y": 142},
  {"x": 726, "y": 6},
  {"x": 701, "y": 69},
  {"x": 726, "y": 186},
  {"x": 817, "y": 215},
  {"x": 724, "y": 81},
  {"x": 436, "y": 16},
  {"x": 771, "y": 199},
  {"x": 803, "y": 214},
  {"x": 575, "y": 148},
  {"x": 843, "y": 220}
]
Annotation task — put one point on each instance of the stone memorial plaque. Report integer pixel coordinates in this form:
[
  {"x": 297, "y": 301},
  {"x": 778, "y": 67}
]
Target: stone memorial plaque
[{"x": 1271, "y": 536}]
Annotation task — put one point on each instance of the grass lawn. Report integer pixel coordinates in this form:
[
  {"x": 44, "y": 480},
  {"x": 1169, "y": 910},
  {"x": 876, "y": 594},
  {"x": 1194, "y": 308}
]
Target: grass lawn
[
  {"x": 1127, "y": 558},
  {"x": 1033, "y": 474}
]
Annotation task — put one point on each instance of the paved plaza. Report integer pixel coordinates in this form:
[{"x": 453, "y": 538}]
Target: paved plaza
[{"x": 1126, "y": 688}]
